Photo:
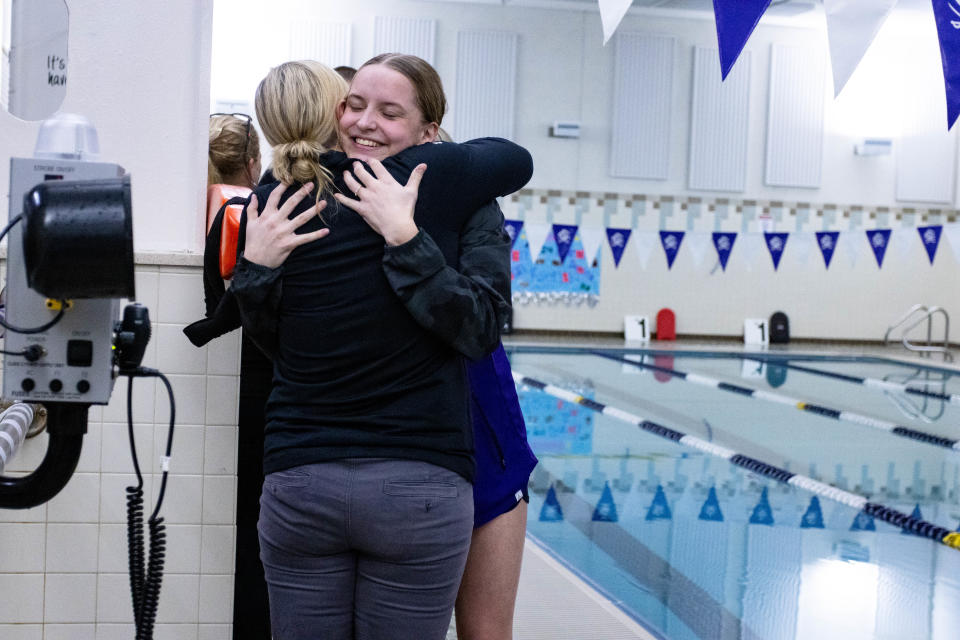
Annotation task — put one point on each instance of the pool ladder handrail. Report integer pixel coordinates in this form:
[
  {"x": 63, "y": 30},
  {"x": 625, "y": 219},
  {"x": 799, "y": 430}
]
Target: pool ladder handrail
[{"x": 927, "y": 315}]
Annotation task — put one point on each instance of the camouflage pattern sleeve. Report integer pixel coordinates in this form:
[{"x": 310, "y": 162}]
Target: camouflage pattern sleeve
[
  {"x": 465, "y": 308},
  {"x": 257, "y": 291}
]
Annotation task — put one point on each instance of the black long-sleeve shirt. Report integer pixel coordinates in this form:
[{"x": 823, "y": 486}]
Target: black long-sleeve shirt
[{"x": 366, "y": 361}]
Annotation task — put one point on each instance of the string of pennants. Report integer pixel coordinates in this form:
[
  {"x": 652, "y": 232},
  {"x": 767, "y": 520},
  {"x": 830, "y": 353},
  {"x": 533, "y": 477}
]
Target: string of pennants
[
  {"x": 852, "y": 26},
  {"x": 724, "y": 242},
  {"x": 710, "y": 511}
]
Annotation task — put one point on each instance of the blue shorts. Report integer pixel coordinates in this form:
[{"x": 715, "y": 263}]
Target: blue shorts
[{"x": 504, "y": 458}]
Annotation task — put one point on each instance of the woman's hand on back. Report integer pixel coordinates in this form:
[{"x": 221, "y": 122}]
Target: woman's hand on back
[
  {"x": 385, "y": 204},
  {"x": 271, "y": 234}
]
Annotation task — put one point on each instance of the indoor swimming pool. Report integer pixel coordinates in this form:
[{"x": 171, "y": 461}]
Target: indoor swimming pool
[{"x": 695, "y": 545}]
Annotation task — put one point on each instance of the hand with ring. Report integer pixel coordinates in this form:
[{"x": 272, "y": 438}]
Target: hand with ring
[{"x": 385, "y": 204}]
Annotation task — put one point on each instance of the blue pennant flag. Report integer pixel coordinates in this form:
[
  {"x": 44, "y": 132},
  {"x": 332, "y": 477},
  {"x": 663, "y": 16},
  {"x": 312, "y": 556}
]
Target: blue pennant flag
[
  {"x": 827, "y": 241},
  {"x": 606, "y": 510},
  {"x": 776, "y": 243},
  {"x": 671, "y": 245},
  {"x": 879, "y": 239},
  {"x": 813, "y": 518},
  {"x": 659, "y": 509},
  {"x": 551, "y": 511},
  {"x": 723, "y": 242},
  {"x": 863, "y": 522},
  {"x": 931, "y": 239},
  {"x": 563, "y": 235},
  {"x": 618, "y": 239},
  {"x": 762, "y": 513},
  {"x": 711, "y": 507},
  {"x": 947, "y": 13},
  {"x": 736, "y": 20},
  {"x": 513, "y": 227},
  {"x": 916, "y": 515}
]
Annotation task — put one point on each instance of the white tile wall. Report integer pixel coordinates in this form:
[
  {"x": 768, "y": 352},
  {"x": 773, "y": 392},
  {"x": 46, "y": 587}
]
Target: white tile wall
[
  {"x": 22, "y": 548},
  {"x": 21, "y": 631},
  {"x": 69, "y": 632},
  {"x": 63, "y": 565},
  {"x": 72, "y": 548}
]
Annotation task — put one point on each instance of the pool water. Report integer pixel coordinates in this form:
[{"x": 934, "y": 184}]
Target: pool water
[{"x": 695, "y": 547}]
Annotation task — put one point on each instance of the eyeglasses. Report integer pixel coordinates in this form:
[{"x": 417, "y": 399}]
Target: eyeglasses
[{"x": 242, "y": 116}]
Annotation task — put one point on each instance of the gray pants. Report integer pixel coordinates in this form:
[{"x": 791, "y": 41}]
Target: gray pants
[{"x": 364, "y": 548}]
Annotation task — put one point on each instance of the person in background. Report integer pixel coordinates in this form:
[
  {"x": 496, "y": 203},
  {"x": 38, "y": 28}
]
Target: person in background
[
  {"x": 488, "y": 590},
  {"x": 234, "y": 151},
  {"x": 367, "y": 508},
  {"x": 234, "y": 160},
  {"x": 346, "y": 72}
]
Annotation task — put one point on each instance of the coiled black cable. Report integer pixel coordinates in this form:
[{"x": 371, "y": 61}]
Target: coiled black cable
[
  {"x": 135, "y": 520},
  {"x": 146, "y": 577}
]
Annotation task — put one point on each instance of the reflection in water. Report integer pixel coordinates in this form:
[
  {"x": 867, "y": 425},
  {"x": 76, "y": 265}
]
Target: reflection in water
[{"x": 696, "y": 548}]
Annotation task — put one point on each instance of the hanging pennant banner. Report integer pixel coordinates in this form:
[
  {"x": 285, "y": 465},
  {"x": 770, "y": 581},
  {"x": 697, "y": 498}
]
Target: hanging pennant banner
[
  {"x": 536, "y": 235},
  {"x": 513, "y": 227},
  {"x": 563, "y": 235},
  {"x": 736, "y": 20},
  {"x": 699, "y": 244},
  {"x": 931, "y": 239},
  {"x": 671, "y": 245},
  {"x": 879, "y": 241},
  {"x": 902, "y": 240},
  {"x": 618, "y": 239},
  {"x": 851, "y": 244},
  {"x": 827, "y": 241},
  {"x": 611, "y": 13},
  {"x": 851, "y": 27},
  {"x": 776, "y": 243},
  {"x": 750, "y": 247},
  {"x": 723, "y": 242},
  {"x": 947, "y": 13},
  {"x": 643, "y": 243},
  {"x": 591, "y": 238},
  {"x": 952, "y": 231}
]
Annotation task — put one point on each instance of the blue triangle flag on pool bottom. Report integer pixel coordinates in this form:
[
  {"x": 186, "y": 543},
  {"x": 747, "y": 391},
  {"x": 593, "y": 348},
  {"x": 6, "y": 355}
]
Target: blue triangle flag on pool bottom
[
  {"x": 879, "y": 240},
  {"x": 762, "y": 513},
  {"x": 563, "y": 235},
  {"x": 659, "y": 509},
  {"x": 813, "y": 518},
  {"x": 513, "y": 227},
  {"x": 916, "y": 515},
  {"x": 827, "y": 241},
  {"x": 711, "y": 507},
  {"x": 931, "y": 239},
  {"x": 863, "y": 522},
  {"x": 606, "y": 510},
  {"x": 551, "y": 511},
  {"x": 671, "y": 241}
]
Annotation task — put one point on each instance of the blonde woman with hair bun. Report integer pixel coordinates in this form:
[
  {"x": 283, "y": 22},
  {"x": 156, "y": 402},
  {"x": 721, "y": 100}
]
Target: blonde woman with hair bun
[{"x": 367, "y": 506}]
